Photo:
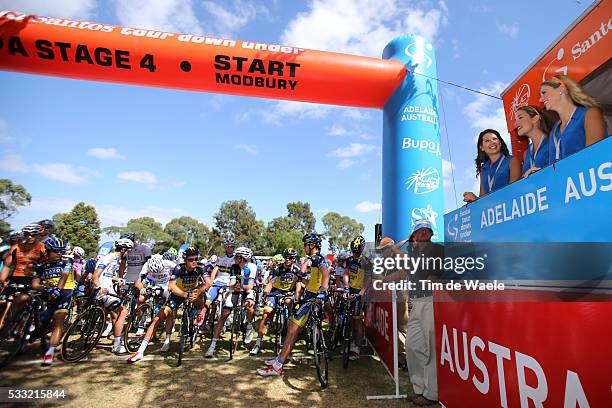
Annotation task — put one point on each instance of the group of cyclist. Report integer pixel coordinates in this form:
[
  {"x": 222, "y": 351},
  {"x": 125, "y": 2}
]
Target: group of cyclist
[{"x": 42, "y": 262}]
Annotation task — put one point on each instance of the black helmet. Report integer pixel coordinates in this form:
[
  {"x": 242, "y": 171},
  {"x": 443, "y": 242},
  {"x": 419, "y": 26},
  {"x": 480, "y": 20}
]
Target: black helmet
[
  {"x": 47, "y": 224},
  {"x": 290, "y": 253},
  {"x": 312, "y": 238},
  {"x": 129, "y": 235},
  {"x": 358, "y": 244},
  {"x": 191, "y": 251},
  {"x": 15, "y": 237}
]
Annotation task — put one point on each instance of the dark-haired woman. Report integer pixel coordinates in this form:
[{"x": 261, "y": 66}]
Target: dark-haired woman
[
  {"x": 582, "y": 122},
  {"x": 494, "y": 164},
  {"x": 534, "y": 123}
]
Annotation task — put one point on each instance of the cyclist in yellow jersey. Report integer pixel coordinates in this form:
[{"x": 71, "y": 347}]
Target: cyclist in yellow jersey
[
  {"x": 355, "y": 284},
  {"x": 282, "y": 281},
  {"x": 55, "y": 278},
  {"x": 317, "y": 286}
]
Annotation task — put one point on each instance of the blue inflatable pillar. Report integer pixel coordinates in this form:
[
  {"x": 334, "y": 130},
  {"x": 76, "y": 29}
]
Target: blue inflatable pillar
[{"x": 412, "y": 160}]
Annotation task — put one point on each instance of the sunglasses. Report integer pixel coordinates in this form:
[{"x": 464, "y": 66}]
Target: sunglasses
[
  {"x": 291, "y": 258},
  {"x": 191, "y": 259},
  {"x": 238, "y": 258}
]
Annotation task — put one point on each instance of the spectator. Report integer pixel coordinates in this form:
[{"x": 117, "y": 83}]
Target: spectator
[
  {"x": 494, "y": 164},
  {"x": 534, "y": 123},
  {"x": 581, "y": 119}
]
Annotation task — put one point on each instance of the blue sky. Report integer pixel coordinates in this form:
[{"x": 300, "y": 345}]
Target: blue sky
[{"x": 137, "y": 151}]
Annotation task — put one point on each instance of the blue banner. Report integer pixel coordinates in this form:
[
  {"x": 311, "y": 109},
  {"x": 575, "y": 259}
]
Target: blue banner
[
  {"x": 412, "y": 161},
  {"x": 567, "y": 202},
  {"x": 105, "y": 248},
  {"x": 182, "y": 249}
]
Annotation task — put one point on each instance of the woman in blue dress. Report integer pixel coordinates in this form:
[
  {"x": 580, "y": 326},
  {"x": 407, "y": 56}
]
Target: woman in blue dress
[
  {"x": 534, "y": 123},
  {"x": 581, "y": 119},
  {"x": 494, "y": 164}
]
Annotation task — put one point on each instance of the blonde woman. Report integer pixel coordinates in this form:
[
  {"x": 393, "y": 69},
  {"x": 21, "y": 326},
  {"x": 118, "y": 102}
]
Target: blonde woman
[
  {"x": 581, "y": 119},
  {"x": 535, "y": 123}
]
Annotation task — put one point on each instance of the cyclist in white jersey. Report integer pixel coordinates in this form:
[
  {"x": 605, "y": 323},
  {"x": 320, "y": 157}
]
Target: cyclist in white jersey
[
  {"x": 220, "y": 274},
  {"x": 108, "y": 270},
  {"x": 241, "y": 281}
]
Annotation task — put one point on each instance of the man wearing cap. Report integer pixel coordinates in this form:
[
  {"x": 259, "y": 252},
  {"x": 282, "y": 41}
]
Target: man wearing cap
[{"x": 421, "y": 340}]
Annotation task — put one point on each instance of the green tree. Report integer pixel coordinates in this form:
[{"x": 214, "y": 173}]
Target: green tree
[
  {"x": 147, "y": 230},
  {"x": 281, "y": 233},
  {"x": 11, "y": 197},
  {"x": 80, "y": 226},
  {"x": 189, "y": 230},
  {"x": 340, "y": 230},
  {"x": 238, "y": 217},
  {"x": 301, "y": 212}
]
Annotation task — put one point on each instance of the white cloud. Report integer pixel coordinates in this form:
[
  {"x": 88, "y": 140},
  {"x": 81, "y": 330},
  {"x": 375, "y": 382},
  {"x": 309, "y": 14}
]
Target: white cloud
[
  {"x": 166, "y": 15},
  {"x": 250, "y": 149},
  {"x": 323, "y": 211},
  {"x": 104, "y": 153},
  {"x": 367, "y": 206},
  {"x": 346, "y": 163},
  {"x": 80, "y": 9},
  {"x": 179, "y": 184},
  {"x": 337, "y": 130},
  {"x": 51, "y": 205},
  {"x": 118, "y": 215},
  {"x": 63, "y": 172},
  {"x": 485, "y": 112},
  {"x": 14, "y": 163},
  {"x": 353, "y": 150},
  {"x": 511, "y": 30},
  {"x": 142, "y": 177},
  {"x": 362, "y": 27},
  {"x": 229, "y": 18}
]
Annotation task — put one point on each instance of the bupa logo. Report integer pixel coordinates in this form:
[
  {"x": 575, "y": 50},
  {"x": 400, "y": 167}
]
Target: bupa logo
[
  {"x": 428, "y": 146},
  {"x": 521, "y": 98},
  {"x": 451, "y": 228},
  {"x": 424, "y": 181},
  {"x": 416, "y": 51},
  {"x": 428, "y": 214}
]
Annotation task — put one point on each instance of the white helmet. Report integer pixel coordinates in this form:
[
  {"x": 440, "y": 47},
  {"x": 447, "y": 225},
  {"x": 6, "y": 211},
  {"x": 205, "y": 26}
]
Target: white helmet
[
  {"x": 123, "y": 243},
  {"x": 155, "y": 264},
  {"x": 78, "y": 251},
  {"x": 244, "y": 252},
  {"x": 213, "y": 259}
]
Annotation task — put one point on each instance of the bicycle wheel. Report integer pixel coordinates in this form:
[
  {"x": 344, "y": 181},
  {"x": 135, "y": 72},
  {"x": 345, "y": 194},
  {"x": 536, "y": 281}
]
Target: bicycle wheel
[
  {"x": 83, "y": 334},
  {"x": 320, "y": 354},
  {"x": 233, "y": 344},
  {"x": 12, "y": 337},
  {"x": 134, "y": 331},
  {"x": 347, "y": 337},
  {"x": 279, "y": 321},
  {"x": 184, "y": 336}
]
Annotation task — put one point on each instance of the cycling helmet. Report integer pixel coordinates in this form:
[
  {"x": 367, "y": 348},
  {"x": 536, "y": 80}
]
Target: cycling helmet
[
  {"x": 278, "y": 258},
  {"x": 78, "y": 251},
  {"x": 128, "y": 235},
  {"x": 15, "y": 237},
  {"x": 168, "y": 255},
  {"x": 344, "y": 255},
  {"x": 290, "y": 253},
  {"x": 358, "y": 244},
  {"x": 191, "y": 251},
  {"x": 90, "y": 265},
  {"x": 213, "y": 259},
  {"x": 124, "y": 243},
  {"x": 56, "y": 245},
  {"x": 312, "y": 238},
  {"x": 229, "y": 238},
  {"x": 46, "y": 224},
  {"x": 32, "y": 230},
  {"x": 243, "y": 252},
  {"x": 155, "y": 264},
  {"x": 173, "y": 251}
]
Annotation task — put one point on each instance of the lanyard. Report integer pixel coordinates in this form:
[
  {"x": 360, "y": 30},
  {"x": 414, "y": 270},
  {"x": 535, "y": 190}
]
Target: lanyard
[
  {"x": 534, "y": 152},
  {"x": 491, "y": 177},
  {"x": 556, "y": 141}
]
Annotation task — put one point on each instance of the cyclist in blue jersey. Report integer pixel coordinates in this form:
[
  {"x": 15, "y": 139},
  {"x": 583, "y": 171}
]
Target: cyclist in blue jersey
[{"x": 241, "y": 282}]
